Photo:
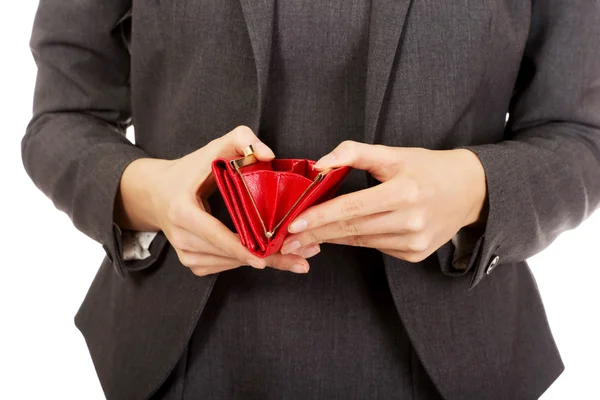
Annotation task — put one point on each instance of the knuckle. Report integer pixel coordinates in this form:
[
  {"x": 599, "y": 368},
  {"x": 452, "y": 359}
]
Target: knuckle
[
  {"x": 358, "y": 241},
  {"x": 400, "y": 162},
  {"x": 351, "y": 208},
  {"x": 415, "y": 223},
  {"x": 217, "y": 145},
  {"x": 418, "y": 245},
  {"x": 200, "y": 271},
  {"x": 387, "y": 169},
  {"x": 311, "y": 238},
  {"x": 319, "y": 217},
  {"x": 173, "y": 213},
  {"x": 257, "y": 263},
  {"x": 411, "y": 193},
  {"x": 348, "y": 228},
  {"x": 176, "y": 241},
  {"x": 271, "y": 261},
  {"x": 414, "y": 257},
  {"x": 185, "y": 260},
  {"x": 176, "y": 212},
  {"x": 240, "y": 129},
  {"x": 346, "y": 147},
  {"x": 242, "y": 132}
]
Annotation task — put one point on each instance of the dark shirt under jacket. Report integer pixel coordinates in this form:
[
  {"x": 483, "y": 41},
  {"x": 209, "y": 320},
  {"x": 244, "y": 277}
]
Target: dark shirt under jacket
[{"x": 333, "y": 333}]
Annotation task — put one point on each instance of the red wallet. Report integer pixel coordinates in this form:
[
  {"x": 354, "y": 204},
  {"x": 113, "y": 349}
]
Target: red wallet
[{"x": 263, "y": 198}]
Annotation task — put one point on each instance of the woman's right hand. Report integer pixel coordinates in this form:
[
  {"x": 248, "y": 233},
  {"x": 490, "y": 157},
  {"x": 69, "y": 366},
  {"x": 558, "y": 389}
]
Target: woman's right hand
[{"x": 171, "y": 196}]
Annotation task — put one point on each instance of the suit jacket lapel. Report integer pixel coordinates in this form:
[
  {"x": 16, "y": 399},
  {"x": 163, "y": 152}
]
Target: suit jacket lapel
[
  {"x": 387, "y": 21},
  {"x": 259, "y": 20}
]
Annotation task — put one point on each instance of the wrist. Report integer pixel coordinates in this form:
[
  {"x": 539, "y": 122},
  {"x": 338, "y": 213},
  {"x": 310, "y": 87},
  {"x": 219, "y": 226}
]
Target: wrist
[
  {"x": 476, "y": 188},
  {"x": 135, "y": 204}
]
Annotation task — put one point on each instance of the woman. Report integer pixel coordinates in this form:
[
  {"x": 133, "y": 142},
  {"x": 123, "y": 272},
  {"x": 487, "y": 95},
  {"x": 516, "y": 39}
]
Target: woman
[{"x": 426, "y": 293}]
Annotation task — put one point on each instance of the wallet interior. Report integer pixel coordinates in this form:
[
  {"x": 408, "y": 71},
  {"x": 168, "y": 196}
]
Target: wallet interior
[{"x": 275, "y": 187}]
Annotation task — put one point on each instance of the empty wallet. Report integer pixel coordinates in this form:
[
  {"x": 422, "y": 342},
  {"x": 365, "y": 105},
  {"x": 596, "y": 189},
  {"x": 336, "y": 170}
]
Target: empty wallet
[{"x": 264, "y": 197}]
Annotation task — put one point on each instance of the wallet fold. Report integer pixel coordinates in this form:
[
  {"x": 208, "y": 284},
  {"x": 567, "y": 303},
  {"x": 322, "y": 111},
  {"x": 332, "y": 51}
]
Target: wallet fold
[{"x": 264, "y": 197}]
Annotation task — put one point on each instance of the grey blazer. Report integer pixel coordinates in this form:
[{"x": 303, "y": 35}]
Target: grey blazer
[{"x": 441, "y": 75}]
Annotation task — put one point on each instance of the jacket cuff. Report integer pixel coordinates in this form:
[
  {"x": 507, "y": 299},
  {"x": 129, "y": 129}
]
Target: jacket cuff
[
  {"x": 476, "y": 250},
  {"x": 456, "y": 256},
  {"x": 122, "y": 266},
  {"x": 486, "y": 250},
  {"x": 108, "y": 232}
]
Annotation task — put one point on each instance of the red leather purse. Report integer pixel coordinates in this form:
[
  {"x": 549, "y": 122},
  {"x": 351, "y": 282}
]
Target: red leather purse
[{"x": 263, "y": 198}]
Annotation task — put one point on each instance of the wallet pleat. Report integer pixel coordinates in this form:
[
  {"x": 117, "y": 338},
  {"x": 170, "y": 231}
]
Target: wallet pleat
[
  {"x": 233, "y": 202},
  {"x": 277, "y": 192},
  {"x": 249, "y": 213},
  {"x": 239, "y": 221}
]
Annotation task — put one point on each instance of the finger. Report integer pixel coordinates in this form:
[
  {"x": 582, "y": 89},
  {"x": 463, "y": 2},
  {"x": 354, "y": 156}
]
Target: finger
[
  {"x": 204, "y": 201},
  {"x": 214, "y": 269},
  {"x": 211, "y": 230},
  {"x": 375, "y": 159},
  {"x": 407, "y": 256},
  {"x": 262, "y": 151},
  {"x": 185, "y": 240},
  {"x": 203, "y": 264},
  {"x": 406, "y": 243},
  {"x": 288, "y": 262},
  {"x": 242, "y": 137},
  {"x": 369, "y": 201},
  {"x": 308, "y": 251},
  {"x": 375, "y": 224}
]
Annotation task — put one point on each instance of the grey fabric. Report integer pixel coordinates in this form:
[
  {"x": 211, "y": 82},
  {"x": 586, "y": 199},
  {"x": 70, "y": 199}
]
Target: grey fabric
[
  {"x": 317, "y": 102},
  {"x": 335, "y": 332},
  {"x": 330, "y": 334},
  {"x": 412, "y": 380},
  {"x": 440, "y": 75}
]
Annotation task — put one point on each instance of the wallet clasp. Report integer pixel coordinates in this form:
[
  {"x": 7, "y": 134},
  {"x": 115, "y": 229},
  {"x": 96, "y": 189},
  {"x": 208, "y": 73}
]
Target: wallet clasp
[{"x": 248, "y": 159}]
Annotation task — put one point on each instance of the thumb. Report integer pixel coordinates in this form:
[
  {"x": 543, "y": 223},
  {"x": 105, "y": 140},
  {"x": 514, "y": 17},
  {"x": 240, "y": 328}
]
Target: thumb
[
  {"x": 242, "y": 137},
  {"x": 368, "y": 157}
]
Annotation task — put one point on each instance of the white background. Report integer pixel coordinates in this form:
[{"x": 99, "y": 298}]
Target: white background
[{"x": 46, "y": 266}]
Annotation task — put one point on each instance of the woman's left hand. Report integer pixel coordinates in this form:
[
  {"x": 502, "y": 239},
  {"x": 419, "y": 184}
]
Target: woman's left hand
[{"x": 424, "y": 199}]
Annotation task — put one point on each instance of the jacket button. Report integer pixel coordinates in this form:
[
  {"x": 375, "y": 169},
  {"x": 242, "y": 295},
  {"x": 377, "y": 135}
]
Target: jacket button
[{"x": 492, "y": 265}]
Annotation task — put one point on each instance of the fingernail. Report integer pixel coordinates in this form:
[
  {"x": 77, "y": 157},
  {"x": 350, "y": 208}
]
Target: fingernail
[
  {"x": 290, "y": 246},
  {"x": 309, "y": 251},
  {"x": 326, "y": 161},
  {"x": 263, "y": 148},
  {"x": 297, "y": 226},
  {"x": 299, "y": 269}
]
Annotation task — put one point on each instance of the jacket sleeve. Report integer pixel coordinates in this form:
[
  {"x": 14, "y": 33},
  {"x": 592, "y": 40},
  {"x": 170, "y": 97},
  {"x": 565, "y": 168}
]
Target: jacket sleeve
[
  {"x": 75, "y": 148},
  {"x": 544, "y": 177}
]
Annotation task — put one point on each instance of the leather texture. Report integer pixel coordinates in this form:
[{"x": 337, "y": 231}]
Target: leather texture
[{"x": 275, "y": 187}]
